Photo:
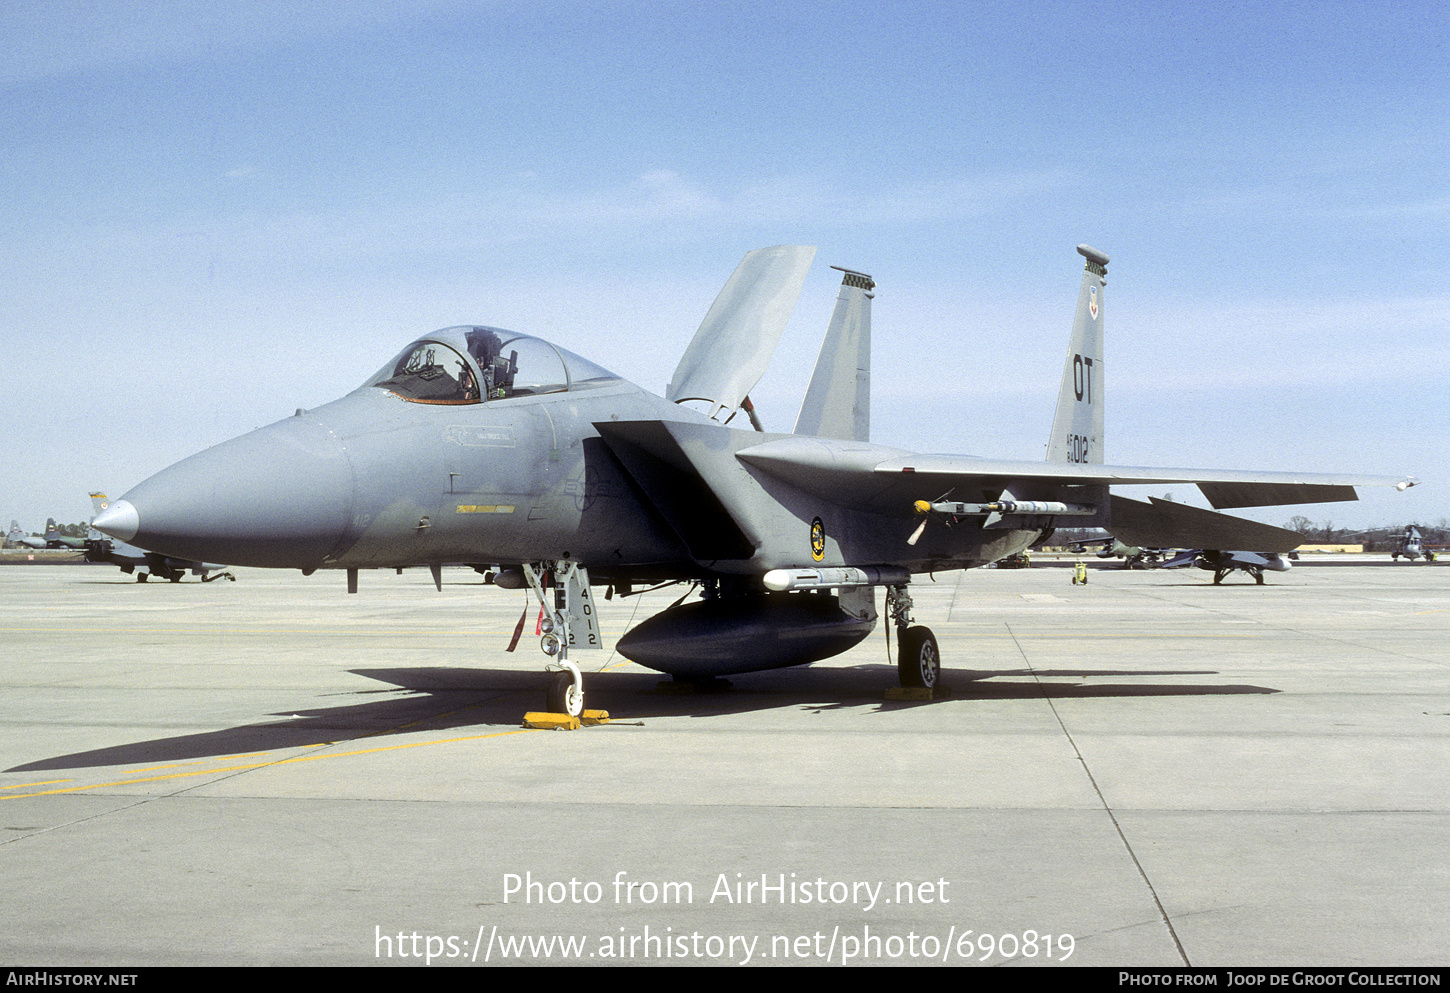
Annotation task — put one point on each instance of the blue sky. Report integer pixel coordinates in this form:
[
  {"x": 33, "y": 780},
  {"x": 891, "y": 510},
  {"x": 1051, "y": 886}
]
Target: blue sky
[{"x": 217, "y": 213}]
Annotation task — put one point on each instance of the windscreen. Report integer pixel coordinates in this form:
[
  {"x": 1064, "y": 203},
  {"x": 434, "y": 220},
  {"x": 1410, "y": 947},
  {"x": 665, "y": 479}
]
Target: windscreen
[{"x": 474, "y": 364}]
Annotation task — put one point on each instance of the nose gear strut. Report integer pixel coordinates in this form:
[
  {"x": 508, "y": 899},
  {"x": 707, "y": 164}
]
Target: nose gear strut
[{"x": 567, "y": 621}]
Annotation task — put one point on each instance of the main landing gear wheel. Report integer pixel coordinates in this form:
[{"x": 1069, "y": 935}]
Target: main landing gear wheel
[
  {"x": 563, "y": 697},
  {"x": 918, "y": 661}
]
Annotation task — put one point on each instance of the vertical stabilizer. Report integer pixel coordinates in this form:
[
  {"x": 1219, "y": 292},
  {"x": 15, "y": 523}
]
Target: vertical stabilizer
[
  {"x": 1077, "y": 428},
  {"x": 733, "y": 345},
  {"x": 838, "y": 400},
  {"x": 99, "y": 503}
]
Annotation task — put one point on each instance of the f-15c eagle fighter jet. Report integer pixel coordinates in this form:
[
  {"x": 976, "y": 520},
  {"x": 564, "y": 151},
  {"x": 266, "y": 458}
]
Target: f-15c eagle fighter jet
[{"x": 497, "y": 449}]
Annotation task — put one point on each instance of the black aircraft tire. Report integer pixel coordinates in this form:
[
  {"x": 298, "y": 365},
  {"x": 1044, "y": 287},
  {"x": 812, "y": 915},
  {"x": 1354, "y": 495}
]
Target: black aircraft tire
[
  {"x": 141, "y": 577},
  {"x": 176, "y": 577},
  {"x": 559, "y": 696},
  {"x": 554, "y": 697},
  {"x": 918, "y": 660}
]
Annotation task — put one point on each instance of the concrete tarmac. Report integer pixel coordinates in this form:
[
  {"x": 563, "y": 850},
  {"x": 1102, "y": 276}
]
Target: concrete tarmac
[{"x": 1146, "y": 770}]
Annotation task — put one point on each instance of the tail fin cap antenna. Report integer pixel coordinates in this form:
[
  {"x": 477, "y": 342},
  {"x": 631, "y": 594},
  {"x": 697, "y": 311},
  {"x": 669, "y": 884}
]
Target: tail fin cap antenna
[{"x": 1095, "y": 258}]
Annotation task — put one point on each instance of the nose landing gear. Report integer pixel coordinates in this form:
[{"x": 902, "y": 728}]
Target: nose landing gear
[{"x": 568, "y": 622}]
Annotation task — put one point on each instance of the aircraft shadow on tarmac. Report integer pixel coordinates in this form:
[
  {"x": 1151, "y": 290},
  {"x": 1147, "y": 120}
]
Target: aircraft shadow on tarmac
[{"x": 447, "y": 699}]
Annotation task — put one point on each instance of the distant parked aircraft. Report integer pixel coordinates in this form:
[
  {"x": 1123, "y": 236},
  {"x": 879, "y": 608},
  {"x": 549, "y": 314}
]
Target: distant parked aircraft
[
  {"x": 1411, "y": 547},
  {"x": 19, "y": 537},
  {"x": 1221, "y": 564}
]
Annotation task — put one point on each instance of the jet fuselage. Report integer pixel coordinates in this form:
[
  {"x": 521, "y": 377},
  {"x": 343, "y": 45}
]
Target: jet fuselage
[{"x": 376, "y": 480}]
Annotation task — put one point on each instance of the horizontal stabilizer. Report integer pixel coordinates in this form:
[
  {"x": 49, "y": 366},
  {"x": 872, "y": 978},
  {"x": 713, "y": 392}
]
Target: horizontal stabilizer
[
  {"x": 1274, "y": 495},
  {"x": 730, "y": 351},
  {"x": 1165, "y": 524}
]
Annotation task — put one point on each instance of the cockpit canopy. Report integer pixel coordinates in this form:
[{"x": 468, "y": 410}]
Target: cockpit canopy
[{"x": 474, "y": 364}]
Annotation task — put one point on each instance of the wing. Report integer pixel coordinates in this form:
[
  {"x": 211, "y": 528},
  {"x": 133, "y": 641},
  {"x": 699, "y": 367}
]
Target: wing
[{"x": 871, "y": 477}]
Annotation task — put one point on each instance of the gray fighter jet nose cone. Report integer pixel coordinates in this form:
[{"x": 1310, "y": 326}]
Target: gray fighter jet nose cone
[
  {"x": 280, "y": 496},
  {"x": 118, "y": 520}
]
